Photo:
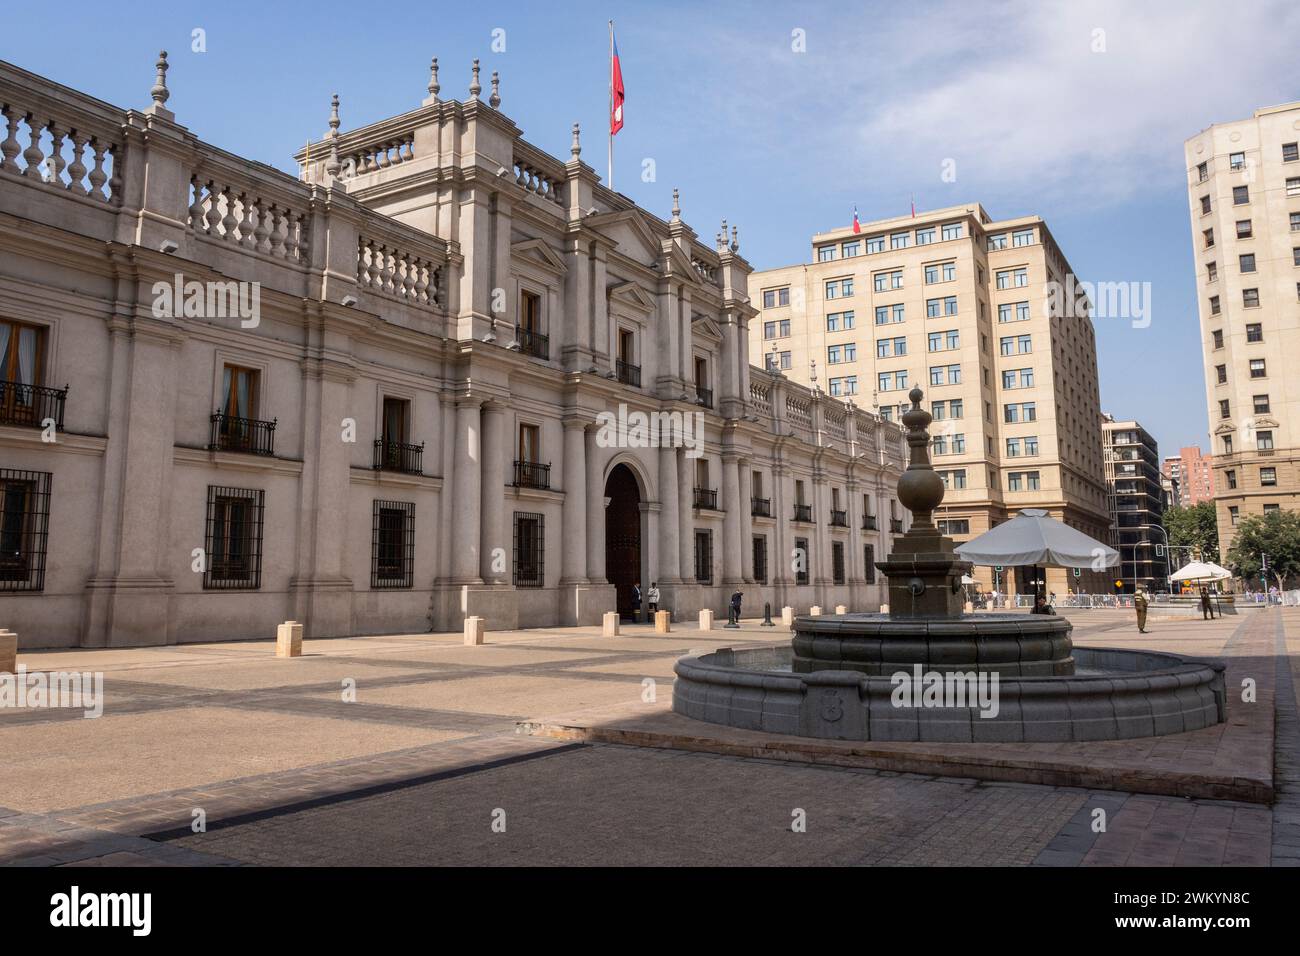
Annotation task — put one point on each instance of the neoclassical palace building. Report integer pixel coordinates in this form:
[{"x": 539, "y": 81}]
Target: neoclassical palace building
[{"x": 438, "y": 373}]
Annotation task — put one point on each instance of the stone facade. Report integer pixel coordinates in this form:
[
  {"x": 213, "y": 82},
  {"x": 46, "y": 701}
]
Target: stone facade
[
  {"x": 974, "y": 311},
  {"x": 1243, "y": 191},
  {"x": 386, "y": 395}
]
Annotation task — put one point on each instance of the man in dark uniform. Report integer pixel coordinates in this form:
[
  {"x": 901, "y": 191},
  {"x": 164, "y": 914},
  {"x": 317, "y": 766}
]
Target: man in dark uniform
[
  {"x": 1207, "y": 609},
  {"x": 1140, "y": 605}
]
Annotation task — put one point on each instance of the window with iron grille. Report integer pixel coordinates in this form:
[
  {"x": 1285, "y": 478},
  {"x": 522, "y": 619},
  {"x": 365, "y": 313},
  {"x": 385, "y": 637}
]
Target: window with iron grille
[
  {"x": 24, "y": 528},
  {"x": 760, "y": 558},
  {"x": 704, "y": 557},
  {"x": 392, "y": 545},
  {"x": 837, "y": 562},
  {"x": 869, "y": 562},
  {"x": 234, "y": 538},
  {"x": 530, "y": 550},
  {"x": 801, "y": 574}
]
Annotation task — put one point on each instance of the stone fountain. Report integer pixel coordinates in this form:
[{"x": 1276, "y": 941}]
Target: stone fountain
[{"x": 927, "y": 671}]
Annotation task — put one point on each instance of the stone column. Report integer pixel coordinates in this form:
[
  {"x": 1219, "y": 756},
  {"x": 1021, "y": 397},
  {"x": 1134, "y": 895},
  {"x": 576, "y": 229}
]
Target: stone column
[
  {"x": 493, "y": 503},
  {"x": 574, "y": 566},
  {"x": 670, "y": 529},
  {"x": 686, "y": 515},
  {"x": 601, "y": 345},
  {"x": 595, "y": 486},
  {"x": 731, "y": 549},
  {"x": 782, "y": 511},
  {"x": 467, "y": 490},
  {"x": 746, "y": 521}
]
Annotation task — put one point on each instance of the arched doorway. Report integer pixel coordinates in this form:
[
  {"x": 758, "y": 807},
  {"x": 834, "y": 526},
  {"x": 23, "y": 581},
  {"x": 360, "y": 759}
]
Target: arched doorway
[{"x": 623, "y": 537}]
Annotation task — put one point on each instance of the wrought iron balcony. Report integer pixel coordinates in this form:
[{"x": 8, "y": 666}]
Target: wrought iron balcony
[
  {"x": 896, "y": 525},
  {"x": 532, "y": 474},
  {"x": 30, "y": 405},
  {"x": 628, "y": 373},
  {"x": 839, "y": 519},
  {"x": 246, "y": 435},
  {"x": 706, "y": 498},
  {"x": 533, "y": 343},
  {"x": 803, "y": 513},
  {"x": 868, "y": 522},
  {"x": 703, "y": 396},
  {"x": 399, "y": 456},
  {"x": 760, "y": 507}
]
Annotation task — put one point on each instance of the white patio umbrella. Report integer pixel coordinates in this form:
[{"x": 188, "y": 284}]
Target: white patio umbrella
[
  {"x": 1201, "y": 571},
  {"x": 1033, "y": 537}
]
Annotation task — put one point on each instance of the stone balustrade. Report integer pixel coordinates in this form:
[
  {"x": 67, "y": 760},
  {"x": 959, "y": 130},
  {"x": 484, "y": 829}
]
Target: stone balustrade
[
  {"x": 536, "y": 173},
  {"x": 259, "y": 214},
  {"x": 375, "y": 156},
  {"x": 760, "y": 399},
  {"x": 388, "y": 266}
]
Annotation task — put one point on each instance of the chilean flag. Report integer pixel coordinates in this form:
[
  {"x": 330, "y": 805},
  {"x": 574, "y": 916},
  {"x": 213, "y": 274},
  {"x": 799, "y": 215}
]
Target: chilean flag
[
  {"x": 857, "y": 227},
  {"x": 615, "y": 86}
]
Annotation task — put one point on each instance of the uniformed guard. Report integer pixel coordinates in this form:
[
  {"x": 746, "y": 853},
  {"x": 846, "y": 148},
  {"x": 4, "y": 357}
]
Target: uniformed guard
[{"x": 1140, "y": 605}]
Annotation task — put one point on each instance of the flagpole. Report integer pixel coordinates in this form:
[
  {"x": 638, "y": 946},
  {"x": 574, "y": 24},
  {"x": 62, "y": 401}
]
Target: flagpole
[{"x": 609, "y": 124}]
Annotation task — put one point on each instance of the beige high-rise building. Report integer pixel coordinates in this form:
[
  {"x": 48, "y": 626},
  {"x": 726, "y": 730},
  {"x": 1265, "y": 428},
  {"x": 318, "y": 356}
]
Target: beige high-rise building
[
  {"x": 984, "y": 316},
  {"x": 1244, "y": 193}
]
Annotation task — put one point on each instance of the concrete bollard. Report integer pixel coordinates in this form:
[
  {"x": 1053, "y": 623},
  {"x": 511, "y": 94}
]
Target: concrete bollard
[
  {"x": 288, "y": 639},
  {"x": 663, "y": 622},
  {"x": 609, "y": 624},
  {"x": 8, "y": 652},
  {"x": 884, "y": 609},
  {"x": 841, "y": 609},
  {"x": 474, "y": 630},
  {"x": 787, "y": 616},
  {"x": 815, "y": 610},
  {"x": 970, "y": 607},
  {"x": 706, "y": 620}
]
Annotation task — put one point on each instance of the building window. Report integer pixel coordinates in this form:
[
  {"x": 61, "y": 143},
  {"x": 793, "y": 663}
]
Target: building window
[
  {"x": 760, "y": 559},
  {"x": 1234, "y": 514},
  {"x": 1264, "y": 441},
  {"x": 1022, "y": 237},
  {"x": 1240, "y": 195},
  {"x": 1261, "y": 405},
  {"x": 839, "y": 321},
  {"x": 1205, "y": 205},
  {"x": 1250, "y": 298},
  {"x": 925, "y": 236},
  {"x": 875, "y": 244},
  {"x": 1224, "y": 408},
  {"x": 1244, "y": 229},
  {"x": 900, "y": 240},
  {"x": 851, "y": 249},
  {"x": 1217, "y": 335},
  {"x": 1231, "y": 477},
  {"x": 234, "y": 538},
  {"x": 1289, "y": 153},
  {"x": 953, "y": 526},
  {"x": 826, "y": 254},
  {"x": 1293, "y": 186},
  {"x": 392, "y": 545},
  {"x": 869, "y": 563},
  {"x": 24, "y": 528},
  {"x": 951, "y": 230},
  {"x": 530, "y": 550},
  {"x": 837, "y": 562},
  {"x": 1254, "y": 332},
  {"x": 1257, "y": 368},
  {"x": 704, "y": 556},
  {"x": 1268, "y": 476},
  {"x": 1221, "y": 372},
  {"x": 839, "y": 288},
  {"x": 1212, "y": 272},
  {"x": 1247, "y": 262},
  {"x": 803, "y": 558},
  {"x": 1227, "y": 444},
  {"x": 1236, "y": 160},
  {"x": 1202, "y": 172},
  {"x": 22, "y": 370}
]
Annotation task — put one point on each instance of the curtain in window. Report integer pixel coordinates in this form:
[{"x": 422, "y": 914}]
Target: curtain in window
[{"x": 27, "y": 356}]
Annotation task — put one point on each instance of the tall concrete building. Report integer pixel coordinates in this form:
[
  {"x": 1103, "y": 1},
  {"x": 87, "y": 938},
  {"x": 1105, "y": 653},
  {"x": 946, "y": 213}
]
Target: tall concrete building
[
  {"x": 1243, "y": 190},
  {"x": 1192, "y": 475},
  {"x": 439, "y": 372},
  {"x": 1136, "y": 504},
  {"x": 981, "y": 314}
]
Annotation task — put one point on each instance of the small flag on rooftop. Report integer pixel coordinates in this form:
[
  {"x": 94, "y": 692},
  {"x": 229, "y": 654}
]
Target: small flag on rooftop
[{"x": 857, "y": 226}]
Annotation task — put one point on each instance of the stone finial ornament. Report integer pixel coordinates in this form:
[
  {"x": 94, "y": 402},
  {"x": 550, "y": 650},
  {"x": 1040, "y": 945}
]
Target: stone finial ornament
[
  {"x": 920, "y": 490},
  {"x": 160, "y": 93},
  {"x": 332, "y": 165},
  {"x": 475, "y": 88},
  {"x": 576, "y": 149},
  {"x": 735, "y": 240},
  {"x": 677, "y": 206},
  {"x": 494, "y": 100},
  {"x": 433, "y": 79}
]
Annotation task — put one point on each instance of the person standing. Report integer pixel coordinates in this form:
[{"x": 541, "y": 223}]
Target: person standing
[
  {"x": 652, "y": 596},
  {"x": 1140, "y": 605},
  {"x": 1207, "y": 609}
]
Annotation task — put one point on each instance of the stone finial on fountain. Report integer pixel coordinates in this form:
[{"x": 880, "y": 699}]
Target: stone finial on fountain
[{"x": 920, "y": 490}]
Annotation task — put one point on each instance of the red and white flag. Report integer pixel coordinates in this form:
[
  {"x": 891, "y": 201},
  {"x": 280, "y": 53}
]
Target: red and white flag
[
  {"x": 857, "y": 227},
  {"x": 615, "y": 85}
]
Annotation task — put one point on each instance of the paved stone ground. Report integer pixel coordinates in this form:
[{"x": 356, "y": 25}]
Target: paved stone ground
[{"x": 287, "y": 772}]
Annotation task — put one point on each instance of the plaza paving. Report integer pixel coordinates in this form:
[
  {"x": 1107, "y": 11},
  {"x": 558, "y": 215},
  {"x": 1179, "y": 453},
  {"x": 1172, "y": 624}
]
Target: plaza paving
[{"x": 429, "y": 764}]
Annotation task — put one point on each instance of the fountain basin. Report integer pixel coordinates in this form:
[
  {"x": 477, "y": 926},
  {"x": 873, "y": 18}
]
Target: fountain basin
[
  {"x": 1025, "y": 645},
  {"x": 1119, "y": 694}
]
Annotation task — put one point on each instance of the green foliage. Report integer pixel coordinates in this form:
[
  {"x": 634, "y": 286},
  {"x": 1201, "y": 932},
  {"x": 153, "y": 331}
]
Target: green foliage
[
  {"x": 1193, "y": 527},
  {"x": 1276, "y": 534}
]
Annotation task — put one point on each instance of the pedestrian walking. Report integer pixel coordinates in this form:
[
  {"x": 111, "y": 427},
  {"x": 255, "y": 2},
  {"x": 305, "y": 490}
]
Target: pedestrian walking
[{"x": 1140, "y": 605}]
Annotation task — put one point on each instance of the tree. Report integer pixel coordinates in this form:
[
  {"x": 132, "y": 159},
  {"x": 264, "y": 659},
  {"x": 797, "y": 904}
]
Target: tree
[
  {"x": 1276, "y": 534},
  {"x": 1193, "y": 527}
]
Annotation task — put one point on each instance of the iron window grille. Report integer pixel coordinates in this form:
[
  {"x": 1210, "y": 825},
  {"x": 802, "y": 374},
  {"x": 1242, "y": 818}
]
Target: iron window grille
[
  {"x": 839, "y": 519},
  {"x": 532, "y": 474},
  {"x": 706, "y": 498},
  {"x": 234, "y": 538},
  {"x": 803, "y": 513},
  {"x": 802, "y": 574},
  {"x": 30, "y": 406},
  {"x": 242, "y": 434},
  {"x": 837, "y": 562},
  {"x": 530, "y": 550},
  {"x": 760, "y": 559},
  {"x": 533, "y": 343},
  {"x": 628, "y": 373},
  {"x": 24, "y": 528},
  {"x": 869, "y": 563},
  {"x": 392, "y": 545},
  {"x": 401, "y": 456},
  {"x": 760, "y": 507}
]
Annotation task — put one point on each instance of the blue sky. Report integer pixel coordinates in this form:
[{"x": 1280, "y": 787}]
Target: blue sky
[{"x": 782, "y": 143}]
